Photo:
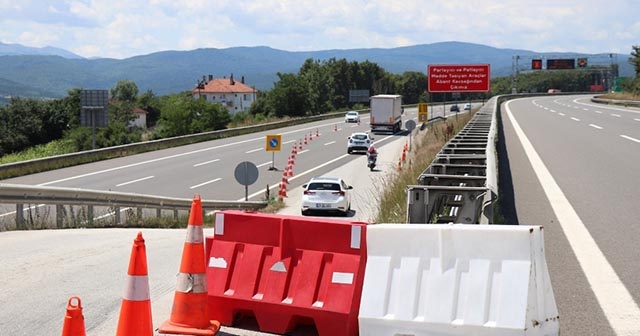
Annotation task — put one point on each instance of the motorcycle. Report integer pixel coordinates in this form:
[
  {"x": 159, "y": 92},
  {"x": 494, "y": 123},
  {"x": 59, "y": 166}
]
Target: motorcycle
[{"x": 371, "y": 161}]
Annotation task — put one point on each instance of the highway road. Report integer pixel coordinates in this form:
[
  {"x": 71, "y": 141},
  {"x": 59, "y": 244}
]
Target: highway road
[
  {"x": 572, "y": 166},
  {"x": 42, "y": 269}
]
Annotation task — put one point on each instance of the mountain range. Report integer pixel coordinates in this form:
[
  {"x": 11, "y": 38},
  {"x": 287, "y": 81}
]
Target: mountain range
[{"x": 50, "y": 72}]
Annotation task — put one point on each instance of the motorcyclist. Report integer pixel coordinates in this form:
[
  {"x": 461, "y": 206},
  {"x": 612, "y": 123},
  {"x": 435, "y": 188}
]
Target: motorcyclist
[{"x": 372, "y": 153}]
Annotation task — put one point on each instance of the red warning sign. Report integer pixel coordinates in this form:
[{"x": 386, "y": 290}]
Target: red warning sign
[{"x": 459, "y": 77}]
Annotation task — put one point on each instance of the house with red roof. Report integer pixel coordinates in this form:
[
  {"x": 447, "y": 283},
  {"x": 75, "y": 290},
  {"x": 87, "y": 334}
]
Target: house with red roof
[{"x": 234, "y": 96}]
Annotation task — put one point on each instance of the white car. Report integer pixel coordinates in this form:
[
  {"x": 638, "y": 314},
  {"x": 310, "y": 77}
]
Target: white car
[
  {"x": 326, "y": 194},
  {"x": 467, "y": 106},
  {"x": 359, "y": 141},
  {"x": 352, "y": 117}
]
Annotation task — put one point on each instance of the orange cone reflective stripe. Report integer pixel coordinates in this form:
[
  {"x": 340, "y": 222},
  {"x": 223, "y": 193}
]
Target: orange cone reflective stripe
[{"x": 135, "y": 311}]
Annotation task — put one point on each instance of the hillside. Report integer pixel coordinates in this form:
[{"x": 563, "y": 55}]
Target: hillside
[{"x": 175, "y": 71}]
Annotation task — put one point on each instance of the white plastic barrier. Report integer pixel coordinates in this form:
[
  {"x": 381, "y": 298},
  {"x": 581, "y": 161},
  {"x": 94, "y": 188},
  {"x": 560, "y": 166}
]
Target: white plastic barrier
[{"x": 456, "y": 279}]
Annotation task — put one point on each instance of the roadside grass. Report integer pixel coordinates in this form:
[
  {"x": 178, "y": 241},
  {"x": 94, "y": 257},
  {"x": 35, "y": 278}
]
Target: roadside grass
[
  {"x": 620, "y": 96},
  {"x": 56, "y": 147},
  {"x": 426, "y": 145}
]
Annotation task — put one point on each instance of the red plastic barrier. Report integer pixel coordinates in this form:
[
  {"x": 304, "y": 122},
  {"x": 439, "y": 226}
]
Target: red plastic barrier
[{"x": 286, "y": 271}]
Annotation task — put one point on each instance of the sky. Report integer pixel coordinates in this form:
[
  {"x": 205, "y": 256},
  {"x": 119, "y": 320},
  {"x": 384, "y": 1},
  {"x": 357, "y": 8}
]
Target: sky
[{"x": 125, "y": 28}]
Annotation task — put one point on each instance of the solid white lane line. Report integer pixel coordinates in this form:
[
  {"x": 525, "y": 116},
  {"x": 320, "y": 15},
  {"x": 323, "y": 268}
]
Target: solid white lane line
[
  {"x": 636, "y": 119},
  {"x": 303, "y": 151},
  {"x": 576, "y": 119},
  {"x": 629, "y": 138},
  {"x": 290, "y": 141},
  {"x": 134, "y": 181},
  {"x": 253, "y": 150},
  {"x": 206, "y": 162},
  {"x": 615, "y": 115},
  {"x": 205, "y": 183},
  {"x": 595, "y": 126},
  {"x": 330, "y": 143},
  {"x": 615, "y": 300}
]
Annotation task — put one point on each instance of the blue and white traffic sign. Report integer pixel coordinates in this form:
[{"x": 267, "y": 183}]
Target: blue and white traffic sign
[{"x": 274, "y": 142}]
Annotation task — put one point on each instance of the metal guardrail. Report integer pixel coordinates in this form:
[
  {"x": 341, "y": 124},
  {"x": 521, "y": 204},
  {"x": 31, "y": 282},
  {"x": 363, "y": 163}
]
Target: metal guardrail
[
  {"x": 15, "y": 169},
  {"x": 625, "y": 103},
  {"x": 460, "y": 184},
  {"x": 22, "y": 195}
]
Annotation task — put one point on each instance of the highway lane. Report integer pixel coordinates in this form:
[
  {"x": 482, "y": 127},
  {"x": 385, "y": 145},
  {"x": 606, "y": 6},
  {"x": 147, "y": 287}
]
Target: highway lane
[
  {"x": 592, "y": 155},
  {"x": 208, "y": 168}
]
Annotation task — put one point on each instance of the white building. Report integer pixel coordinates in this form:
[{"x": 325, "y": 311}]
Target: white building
[{"x": 235, "y": 96}]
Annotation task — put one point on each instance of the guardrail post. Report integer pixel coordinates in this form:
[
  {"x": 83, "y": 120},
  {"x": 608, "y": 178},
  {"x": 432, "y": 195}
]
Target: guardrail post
[
  {"x": 20, "y": 224},
  {"x": 116, "y": 214},
  {"x": 60, "y": 216},
  {"x": 158, "y": 212},
  {"x": 90, "y": 215}
]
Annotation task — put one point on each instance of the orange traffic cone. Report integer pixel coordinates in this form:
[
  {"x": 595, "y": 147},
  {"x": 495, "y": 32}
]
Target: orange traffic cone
[
  {"x": 335, "y": 128},
  {"x": 283, "y": 190},
  {"x": 135, "y": 311},
  {"x": 189, "y": 311},
  {"x": 300, "y": 145},
  {"x": 289, "y": 170},
  {"x": 310, "y": 135},
  {"x": 284, "y": 179},
  {"x": 74, "y": 320},
  {"x": 305, "y": 139},
  {"x": 400, "y": 164},
  {"x": 317, "y": 133}
]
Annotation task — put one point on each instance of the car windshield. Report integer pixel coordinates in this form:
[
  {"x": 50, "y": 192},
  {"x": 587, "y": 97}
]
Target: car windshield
[
  {"x": 324, "y": 186},
  {"x": 359, "y": 136},
  {"x": 352, "y": 114}
]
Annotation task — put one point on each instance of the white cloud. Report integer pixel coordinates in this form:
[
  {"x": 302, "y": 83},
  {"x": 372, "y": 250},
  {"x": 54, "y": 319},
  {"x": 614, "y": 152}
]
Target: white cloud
[{"x": 124, "y": 28}]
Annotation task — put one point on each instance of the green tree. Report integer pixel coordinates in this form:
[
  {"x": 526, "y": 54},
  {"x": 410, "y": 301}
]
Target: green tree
[
  {"x": 181, "y": 115},
  {"x": 150, "y": 103},
  {"x": 319, "y": 86},
  {"x": 22, "y": 124},
  {"x": 125, "y": 91},
  {"x": 288, "y": 97},
  {"x": 411, "y": 85},
  {"x": 635, "y": 61},
  {"x": 342, "y": 73}
]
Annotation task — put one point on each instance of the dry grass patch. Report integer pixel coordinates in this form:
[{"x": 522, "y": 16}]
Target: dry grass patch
[{"x": 425, "y": 146}]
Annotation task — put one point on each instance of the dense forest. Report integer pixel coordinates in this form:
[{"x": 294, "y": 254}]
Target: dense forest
[{"x": 318, "y": 87}]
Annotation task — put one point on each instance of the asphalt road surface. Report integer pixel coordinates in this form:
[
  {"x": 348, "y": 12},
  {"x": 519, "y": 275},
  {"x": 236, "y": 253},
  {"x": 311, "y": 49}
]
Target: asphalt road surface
[{"x": 572, "y": 166}]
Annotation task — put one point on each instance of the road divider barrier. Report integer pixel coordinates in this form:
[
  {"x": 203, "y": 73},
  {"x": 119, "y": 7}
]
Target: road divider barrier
[
  {"x": 135, "y": 310},
  {"x": 189, "y": 311},
  {"x": 459, "y": 186},
  {"x": 73, "y": 324},
  {"x": 286, "y": 271},
  {"x": 456, "y": 279}
]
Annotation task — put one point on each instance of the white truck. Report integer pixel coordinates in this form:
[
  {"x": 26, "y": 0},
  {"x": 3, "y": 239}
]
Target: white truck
[{"x": 386, "y": 113}]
